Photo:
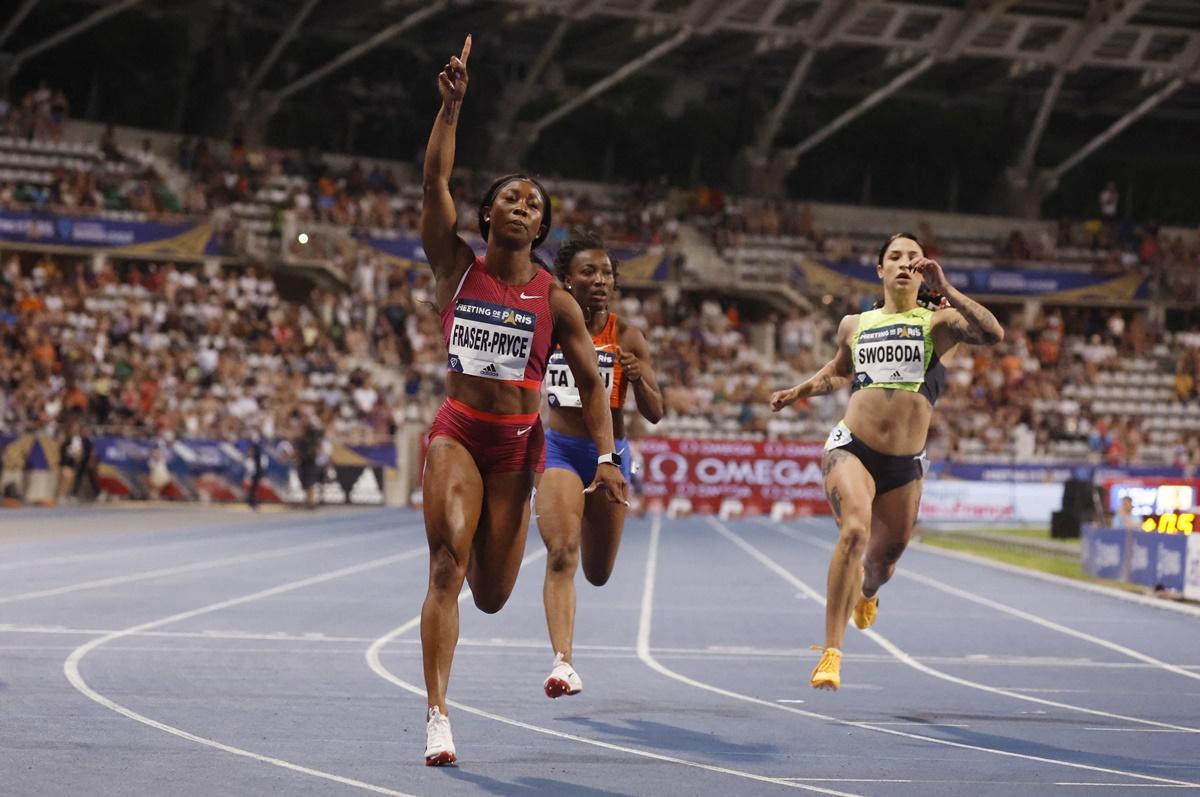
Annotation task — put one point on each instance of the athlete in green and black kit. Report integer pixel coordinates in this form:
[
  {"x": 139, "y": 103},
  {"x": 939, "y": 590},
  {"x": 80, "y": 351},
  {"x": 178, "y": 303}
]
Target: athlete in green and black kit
[{"x": 874, "y": 459}]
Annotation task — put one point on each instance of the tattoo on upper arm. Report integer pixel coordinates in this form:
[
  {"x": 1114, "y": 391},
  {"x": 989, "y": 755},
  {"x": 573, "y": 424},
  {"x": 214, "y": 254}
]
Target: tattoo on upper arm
[
  {"x": 826, "y": 385},
  {"x": 965, "y": 333},
  {"x": 973, "y": 322}
]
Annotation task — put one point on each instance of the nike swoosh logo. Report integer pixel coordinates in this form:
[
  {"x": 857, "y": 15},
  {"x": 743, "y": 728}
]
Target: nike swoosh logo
[
  {"x": 523, "y": 296},
  {"x": 523, "y": 431}
]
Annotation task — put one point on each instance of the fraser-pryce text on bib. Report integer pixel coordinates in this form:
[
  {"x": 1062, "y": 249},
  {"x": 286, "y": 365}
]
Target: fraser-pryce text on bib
[{"x": 490, "y": 340}]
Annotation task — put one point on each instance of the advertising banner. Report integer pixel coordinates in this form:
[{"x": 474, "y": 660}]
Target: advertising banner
[
  {"x": 1143, "y": 559},
  {"x": 757, "y": 473},
  {"x": 1167, "y": 561},
  {"x": 1013, "y": 472},
  {"x": 182, "y": 240},
  {"x": 989, "y": 502},
  {"x": 1170, "y": 561},
  {"x": 210, "y": 470},
  {"x": 1104, "y": 552},
  {"x": 1191, "y": 569},
  {"x": 995, "y": 282}
]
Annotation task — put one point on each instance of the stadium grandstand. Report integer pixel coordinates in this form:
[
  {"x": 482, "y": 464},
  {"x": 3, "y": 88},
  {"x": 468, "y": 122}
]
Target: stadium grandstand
[{"x": 210, "y": 268}]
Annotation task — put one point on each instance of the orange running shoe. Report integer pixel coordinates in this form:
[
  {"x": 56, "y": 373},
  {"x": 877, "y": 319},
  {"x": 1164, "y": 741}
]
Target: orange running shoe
[
  {"x": 828, "y": 672},
  {"x": 865, "y": 612}
]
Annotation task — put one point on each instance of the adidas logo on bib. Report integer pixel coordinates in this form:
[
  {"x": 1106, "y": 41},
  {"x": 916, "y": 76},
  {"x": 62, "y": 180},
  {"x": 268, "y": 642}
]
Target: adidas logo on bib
[
  {"x": 896, "y": 376},
  {"x": 489, "y": 370}
]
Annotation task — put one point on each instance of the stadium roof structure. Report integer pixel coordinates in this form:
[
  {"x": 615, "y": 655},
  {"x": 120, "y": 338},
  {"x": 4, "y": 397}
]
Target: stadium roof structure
[{"x": 1113, "y": 58}]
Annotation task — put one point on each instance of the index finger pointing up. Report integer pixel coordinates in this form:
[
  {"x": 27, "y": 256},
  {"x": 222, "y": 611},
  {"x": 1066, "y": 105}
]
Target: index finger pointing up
[{"x": 466, "y": 50}]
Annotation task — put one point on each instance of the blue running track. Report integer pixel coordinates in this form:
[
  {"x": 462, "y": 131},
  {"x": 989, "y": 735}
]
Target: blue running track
[{"x": 217, "y": 652}]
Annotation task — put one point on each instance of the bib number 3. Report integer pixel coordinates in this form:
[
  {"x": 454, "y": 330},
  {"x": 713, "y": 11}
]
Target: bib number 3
[{"x": 840, "y": 436}]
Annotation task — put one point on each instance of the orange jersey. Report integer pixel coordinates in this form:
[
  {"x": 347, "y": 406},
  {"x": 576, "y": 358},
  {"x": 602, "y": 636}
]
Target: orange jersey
[
  {"x": 606, "y": 340},
  {"x": 561, "y": 390}
]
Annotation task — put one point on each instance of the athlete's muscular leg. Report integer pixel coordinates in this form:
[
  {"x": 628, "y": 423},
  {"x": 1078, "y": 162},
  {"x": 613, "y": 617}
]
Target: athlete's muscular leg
[
  {"x": 850, "y": 490},
  {"x": 559, "y": 506},
  {"x": 500, "y": 542},
  {"x": 894, "y": 515},
  {"x": 603, "y": 524},
  {"x": 452, "y": 502}
]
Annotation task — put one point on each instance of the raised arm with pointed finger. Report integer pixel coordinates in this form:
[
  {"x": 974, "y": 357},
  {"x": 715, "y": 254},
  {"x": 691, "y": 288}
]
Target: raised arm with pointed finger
[{"x": 449, "y": 255}]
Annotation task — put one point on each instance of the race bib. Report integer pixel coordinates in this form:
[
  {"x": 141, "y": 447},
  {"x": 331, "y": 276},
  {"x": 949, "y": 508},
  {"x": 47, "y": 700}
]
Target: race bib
[
  {"x": 890, "y": 354},
  {"x": 561, "y": 390},
  {"x": 839, "y": 437},
  {"x": 490, "y": 340}
]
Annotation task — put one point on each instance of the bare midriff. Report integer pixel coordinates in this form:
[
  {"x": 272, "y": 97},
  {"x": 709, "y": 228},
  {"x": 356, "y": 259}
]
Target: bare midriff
[
  {"x": 492, "y": 395},
  {"x": 888, "y": 420},
  {"x": 569, "y": 420}
]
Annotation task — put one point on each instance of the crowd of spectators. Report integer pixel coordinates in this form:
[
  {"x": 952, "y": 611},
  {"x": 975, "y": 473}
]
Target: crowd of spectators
[
  {"x": 148, "y": 349},
  {"x": 312, "y": 189},
  {"x": 305, "y": 187},
  {"x": 715, "y": 368},
  {"x": 50, "y": 175},
  {"x": 1014, "y": 398},
  {"x": 94, "y": 186},
  {"x": 40, "y": 113},
  {"x": 1011, "y": 401},
  {"x": 120, "y": 174},
  {"x": 145, "y": 350},
  {"x": 1107, "y": 243}
]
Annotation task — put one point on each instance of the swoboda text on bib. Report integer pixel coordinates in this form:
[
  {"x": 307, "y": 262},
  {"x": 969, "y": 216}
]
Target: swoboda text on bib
[{"x": 893, "y": 353}]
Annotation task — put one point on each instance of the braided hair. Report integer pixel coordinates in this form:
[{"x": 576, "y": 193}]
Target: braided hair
[{"x": 581, "y": 240}]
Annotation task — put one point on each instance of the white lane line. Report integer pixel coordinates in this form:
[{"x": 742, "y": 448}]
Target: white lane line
[
  {"x": 193, "y": 567},
  {"x": 616, "y": 651},
  {"x": 861, "y": 780},
  {"x": 891, "y": 648},
  {"x": 71, "y": 669},
  {"x": 1123, "y": 785},
  {"x": 1086, "y": 586},
  {"x": 927, "y": 724},
  {"x": 107, "y": 555},
  {"x": 1134, "y": 730},
  {"x": 205, "y": 536},
  {"x": 377, "y": 667},
  {"x": 990, "y": 782},
  {"x": 1050, "y": 624},
  {"x": 648, "y": 658}
]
